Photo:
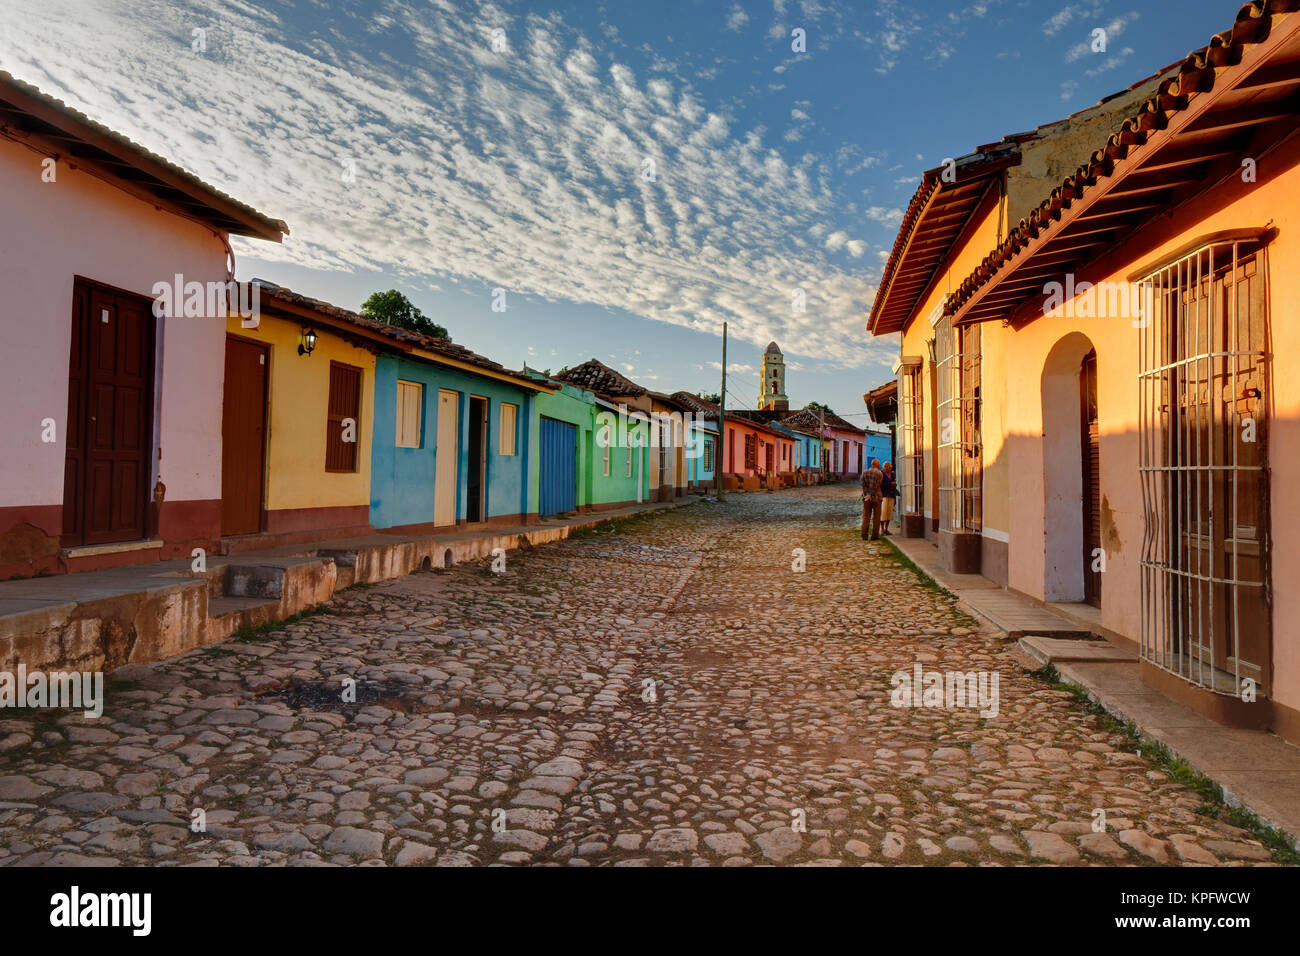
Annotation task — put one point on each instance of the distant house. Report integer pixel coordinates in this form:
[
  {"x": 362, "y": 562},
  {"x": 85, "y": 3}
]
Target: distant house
[
  {"x": 702, "y": 442},
  {"x": 774, "y": 458},
  {"x": 808, "y": 452},
  {"x": 844, "y": 442},
  {"x": 666, "y": 474},
  {"x": 115, "y": 267},
  {"x": 583, "y": 460}
]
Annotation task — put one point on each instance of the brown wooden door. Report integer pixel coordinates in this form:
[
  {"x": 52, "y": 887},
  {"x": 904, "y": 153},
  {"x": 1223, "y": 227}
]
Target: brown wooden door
[
  {"x": 243, "y": 437},
  {"x": 110, "y": 417},
  {"x": 1090, "y": 445}
]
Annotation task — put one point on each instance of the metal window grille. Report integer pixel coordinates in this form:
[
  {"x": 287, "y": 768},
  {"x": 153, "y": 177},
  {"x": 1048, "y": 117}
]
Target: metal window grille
[
  {"x": 912, "y": 460},
  {"x": 1203, "y": 406},
  {"x": 957, "y": 367}
]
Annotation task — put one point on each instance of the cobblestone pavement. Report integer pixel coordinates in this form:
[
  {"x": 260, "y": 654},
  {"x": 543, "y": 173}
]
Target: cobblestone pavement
[{"x": 503, "y": 719}]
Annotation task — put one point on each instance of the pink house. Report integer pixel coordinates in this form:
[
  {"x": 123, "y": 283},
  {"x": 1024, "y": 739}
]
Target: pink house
[
  {"x": 845, "y": 442},
  {"x": 112, "y": 432}
]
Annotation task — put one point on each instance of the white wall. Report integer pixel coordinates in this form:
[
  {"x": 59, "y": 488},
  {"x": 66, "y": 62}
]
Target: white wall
[{"x": 79, "y": 225}]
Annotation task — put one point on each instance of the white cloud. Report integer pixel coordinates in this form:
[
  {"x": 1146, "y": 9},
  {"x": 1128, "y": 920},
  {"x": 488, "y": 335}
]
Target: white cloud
[
  {"x": 737, "y": 18},
  {"x": 893, "y": 218},
  {"x": 1112, "y": 30},
  {"x": 472, "y": 167}
]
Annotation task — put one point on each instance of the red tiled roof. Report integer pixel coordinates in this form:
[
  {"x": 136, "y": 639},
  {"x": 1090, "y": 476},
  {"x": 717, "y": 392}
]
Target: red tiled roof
[
  {"x": 934, "y": 220},
  {"x": 1204, "y": 76},
  {"x": 752, "y": 419},
  {"x": 428, "y": 343},
  {"x": 27, "y": 113},
  {"x": 696, "y": 404},
  {"x": 812, "y": 418},
  {"x": 597, "y": 377}
]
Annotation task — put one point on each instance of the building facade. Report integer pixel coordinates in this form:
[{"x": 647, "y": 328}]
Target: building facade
[
  {"x": 113, "y": 451},
  {"x": 1114, "y": 355}
]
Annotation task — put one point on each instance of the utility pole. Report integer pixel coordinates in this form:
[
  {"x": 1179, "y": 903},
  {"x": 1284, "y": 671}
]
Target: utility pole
[
  {"x": 722, "y": 421},
  {"x": 822, "y": 415}
]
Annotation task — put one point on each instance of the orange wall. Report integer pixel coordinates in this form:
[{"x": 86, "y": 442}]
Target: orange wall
[{"x": 1273, "y": 200}]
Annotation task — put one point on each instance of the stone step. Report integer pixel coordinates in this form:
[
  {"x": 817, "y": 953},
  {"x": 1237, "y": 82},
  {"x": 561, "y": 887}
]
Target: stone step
[{"x": 1051, "y": 650}]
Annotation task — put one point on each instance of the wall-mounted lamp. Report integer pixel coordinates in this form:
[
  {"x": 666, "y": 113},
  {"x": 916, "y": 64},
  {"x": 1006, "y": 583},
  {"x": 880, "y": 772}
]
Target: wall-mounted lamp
[{"x": 308, "y": 343}]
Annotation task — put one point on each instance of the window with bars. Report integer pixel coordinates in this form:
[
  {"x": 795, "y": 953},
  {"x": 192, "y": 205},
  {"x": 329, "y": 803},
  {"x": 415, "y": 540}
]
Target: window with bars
[
  {"x": 606, "y": 442},
  {"x": 751, "y": 452},
  {"x": 708, "y": 455},
  {"x": 911, "y": 463},
  {"x": 1203, "y": 447},
  {"x": 961, "y": 457},
  {"x": 343, "y": 418}
]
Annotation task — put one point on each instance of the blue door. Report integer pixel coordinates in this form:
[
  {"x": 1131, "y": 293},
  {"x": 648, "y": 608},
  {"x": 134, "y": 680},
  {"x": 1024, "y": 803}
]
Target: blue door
[{"x": 559, "y": 460}]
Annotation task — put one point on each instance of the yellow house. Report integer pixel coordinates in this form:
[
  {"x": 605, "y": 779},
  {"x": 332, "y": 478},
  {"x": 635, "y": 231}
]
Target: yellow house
[
  {"x": 1088, "y": 408},
  {"x": 296, "y": 423},
  {"x": 954, "y": 482}
]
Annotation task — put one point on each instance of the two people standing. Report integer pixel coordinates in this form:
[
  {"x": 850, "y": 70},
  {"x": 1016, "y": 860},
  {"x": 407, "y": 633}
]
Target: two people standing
[{"x": 878, "y": 494}]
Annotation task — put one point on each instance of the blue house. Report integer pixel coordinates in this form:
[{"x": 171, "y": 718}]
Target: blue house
[
  {"x": 876, "y": 445},
  {"x": 453, "y": 439},
  {"x": 808, "y": 449}
]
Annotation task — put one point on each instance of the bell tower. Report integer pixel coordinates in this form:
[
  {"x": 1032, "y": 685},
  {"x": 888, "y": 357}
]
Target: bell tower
[{"x": 772, "y": 381}]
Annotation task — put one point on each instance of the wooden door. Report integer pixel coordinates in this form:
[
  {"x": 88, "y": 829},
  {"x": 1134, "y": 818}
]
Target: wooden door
[
  {"x": 110, "y": 417},
  {"x": 446, "y": 458},
  {"x": 1090, "y": 446},
  {"x": 243, "y": 437}
]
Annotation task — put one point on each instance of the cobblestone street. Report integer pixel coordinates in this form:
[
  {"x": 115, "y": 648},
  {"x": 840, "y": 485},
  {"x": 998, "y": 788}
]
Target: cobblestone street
[{"x": 503, "y": 719}]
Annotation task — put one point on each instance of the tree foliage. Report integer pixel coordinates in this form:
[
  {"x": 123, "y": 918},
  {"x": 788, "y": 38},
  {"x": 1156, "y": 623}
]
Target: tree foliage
[{"x": 396, "y": 309}]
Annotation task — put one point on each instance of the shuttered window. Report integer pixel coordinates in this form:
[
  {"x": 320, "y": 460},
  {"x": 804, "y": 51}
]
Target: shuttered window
[
  {"x": 343, "y": 424},
  {"x": 751, "y": 452},
  {"x": 509, "y": 415},
  {"x": 605, "y": 440},
  {"x": 410, "y": 407}
]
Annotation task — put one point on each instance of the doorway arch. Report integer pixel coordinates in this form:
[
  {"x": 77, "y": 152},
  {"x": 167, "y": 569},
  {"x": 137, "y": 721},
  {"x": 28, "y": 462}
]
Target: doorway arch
[{"x": 1071, "y": 462}]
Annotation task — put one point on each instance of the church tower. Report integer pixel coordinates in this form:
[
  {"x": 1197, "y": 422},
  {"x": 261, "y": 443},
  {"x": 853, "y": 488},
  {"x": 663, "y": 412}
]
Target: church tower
[{"x": 772, "y": 381}]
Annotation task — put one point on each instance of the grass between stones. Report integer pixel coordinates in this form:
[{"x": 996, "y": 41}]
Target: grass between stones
[
  {"x": 1213, "y": 804},
  {"x": 898, "y": 559},
  {"x": 263, "y": 631}
]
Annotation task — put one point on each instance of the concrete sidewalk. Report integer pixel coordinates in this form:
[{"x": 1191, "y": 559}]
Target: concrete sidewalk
[
  {"x": 101, "y": 620},
  {"x": 1256, "y": 769}
]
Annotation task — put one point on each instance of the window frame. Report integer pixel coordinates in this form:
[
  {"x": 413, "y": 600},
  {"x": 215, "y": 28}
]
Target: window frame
[
  {"x": 511, "y": 433},
  {"x": 405, "y": 385}
]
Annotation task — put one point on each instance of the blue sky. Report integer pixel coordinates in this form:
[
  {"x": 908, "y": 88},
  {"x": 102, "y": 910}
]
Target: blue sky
[{"x": 411, "y": 145}]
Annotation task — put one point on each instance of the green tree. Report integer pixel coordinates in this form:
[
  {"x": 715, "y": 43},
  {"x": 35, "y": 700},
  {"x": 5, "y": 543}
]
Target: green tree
[
  {"x": 713, "y": 397},
  {"x": 818, "y": 406},
  {"x": 396, "y": 309}
]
